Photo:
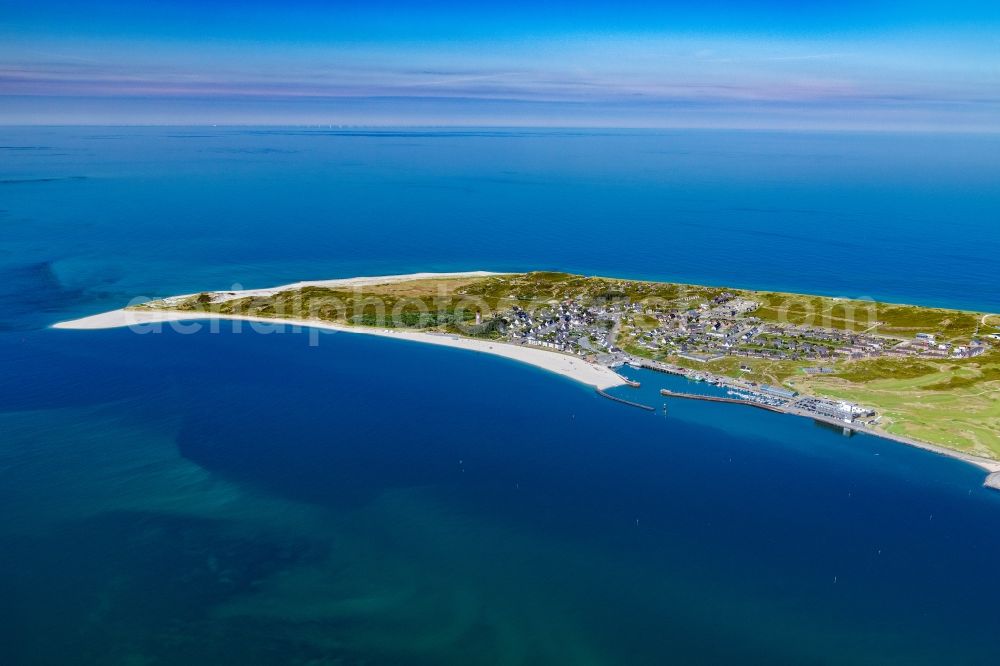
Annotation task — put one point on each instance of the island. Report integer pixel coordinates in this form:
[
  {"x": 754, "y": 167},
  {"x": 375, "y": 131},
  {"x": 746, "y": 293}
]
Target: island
[{"x": 924, "y": 376}]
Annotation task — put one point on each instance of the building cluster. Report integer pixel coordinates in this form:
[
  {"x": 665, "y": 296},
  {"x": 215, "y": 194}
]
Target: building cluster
[
  {"x": 926, "y": 345},
  {"x": 834, "y": 409},
  {"x": 569, "y": 326},
  {"x": 724, "y": 326},
  {"x": 704, "y": 335}
]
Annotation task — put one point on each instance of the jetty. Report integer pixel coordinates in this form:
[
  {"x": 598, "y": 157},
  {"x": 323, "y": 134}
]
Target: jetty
[
  {"x": 604, "y": 394},
  {"x": 715, "y": 398},
  {"x": 846, "y": 426},
  {"x": 656, "y": 366}
]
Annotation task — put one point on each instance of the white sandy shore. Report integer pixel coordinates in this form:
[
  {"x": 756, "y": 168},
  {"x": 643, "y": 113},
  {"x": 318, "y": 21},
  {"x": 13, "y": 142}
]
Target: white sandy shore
[
  {"x": 573, "y": 367},
  {"x": 220, "y": 296}
]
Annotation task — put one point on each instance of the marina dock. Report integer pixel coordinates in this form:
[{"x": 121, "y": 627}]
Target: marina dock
[{"x": 714, "y": 398}]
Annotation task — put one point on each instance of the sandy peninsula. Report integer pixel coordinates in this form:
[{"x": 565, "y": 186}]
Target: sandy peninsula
[
  {"x": 336, "y": 283},
  {"x": 192, "y": 311},
  {"x": 573, "y": 367}
]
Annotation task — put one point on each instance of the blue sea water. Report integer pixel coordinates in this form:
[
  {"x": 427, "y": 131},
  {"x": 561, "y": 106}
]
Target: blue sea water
[{"x": 218, "y": 498}]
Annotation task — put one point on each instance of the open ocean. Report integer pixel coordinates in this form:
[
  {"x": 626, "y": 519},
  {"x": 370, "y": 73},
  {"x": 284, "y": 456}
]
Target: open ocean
[{"x": 223, "y": 498}]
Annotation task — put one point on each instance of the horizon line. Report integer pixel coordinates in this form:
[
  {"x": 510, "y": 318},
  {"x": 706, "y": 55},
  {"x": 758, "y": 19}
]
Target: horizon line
[{"x": 579, "y": 128}]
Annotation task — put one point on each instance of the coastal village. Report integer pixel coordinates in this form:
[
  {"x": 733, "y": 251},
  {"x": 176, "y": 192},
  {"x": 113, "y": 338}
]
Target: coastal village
[
  {"x": 623, "y": 332},
  {"x": 724, "y": 327}
]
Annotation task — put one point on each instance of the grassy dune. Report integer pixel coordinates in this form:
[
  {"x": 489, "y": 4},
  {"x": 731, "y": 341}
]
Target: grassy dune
[
  {"x": 883, "y": 318},
  {"x": 953, "y": 404}
]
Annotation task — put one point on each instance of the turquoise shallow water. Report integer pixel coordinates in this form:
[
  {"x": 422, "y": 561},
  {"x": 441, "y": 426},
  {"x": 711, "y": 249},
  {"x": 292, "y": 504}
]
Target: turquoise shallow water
[{"x": 250, "y": 499}]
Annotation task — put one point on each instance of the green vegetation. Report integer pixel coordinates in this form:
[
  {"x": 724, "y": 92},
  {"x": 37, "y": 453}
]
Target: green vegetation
[
  {"x": 492, "y": 328},
  {"x": 907, "y": 320},
  {"x": 967, "y": 377},
  {"x": 955, "y": 404},
  {"x": 880, "y": 368},
  {"x": 542, "y": 287},
  {"x": 760, "y": 370},
  {"x": 815, "y": 310},
  {"x": 416, "y": 304},
  {"x": 855, "y": 315}
]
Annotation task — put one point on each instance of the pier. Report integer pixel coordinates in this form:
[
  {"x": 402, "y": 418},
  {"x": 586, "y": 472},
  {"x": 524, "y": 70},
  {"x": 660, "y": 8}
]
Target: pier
[
  {"x": 646, "y": 364},
  {"x": 714, "y": 398},
  {"x": 624, "y": 401},
  {"x": 847, "y": 428}
]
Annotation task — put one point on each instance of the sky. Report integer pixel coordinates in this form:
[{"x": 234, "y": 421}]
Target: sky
[{"x": 770, "y": 64}]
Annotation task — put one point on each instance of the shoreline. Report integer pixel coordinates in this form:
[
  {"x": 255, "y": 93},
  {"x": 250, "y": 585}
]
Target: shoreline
[
  {"x": 594, "y": 375},
  {"x": 991, "y": 467},
  {"x": 572, "y": 367},
  {"x": 360, "y": 281},
  {"x": 363, "y": 281}
]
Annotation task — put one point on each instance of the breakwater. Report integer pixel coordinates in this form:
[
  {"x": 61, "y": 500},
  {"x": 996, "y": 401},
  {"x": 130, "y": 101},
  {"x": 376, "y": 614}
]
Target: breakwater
[
  {"x": 713, "y": 398},
  {"x": 624, "y": 401},
  {"x": 646, "y": 364}
]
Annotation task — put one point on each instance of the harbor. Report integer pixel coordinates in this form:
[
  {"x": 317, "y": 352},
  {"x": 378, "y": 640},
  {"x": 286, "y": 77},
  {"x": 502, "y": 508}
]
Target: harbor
[
  {"x": 711, "y": 398},
  {"x": 795, "y": 408}
]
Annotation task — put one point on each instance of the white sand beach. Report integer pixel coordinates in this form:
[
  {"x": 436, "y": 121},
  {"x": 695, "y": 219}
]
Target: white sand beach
[
  {"x": 573, "y": 367},
  {"x": 368, "y": 281}
]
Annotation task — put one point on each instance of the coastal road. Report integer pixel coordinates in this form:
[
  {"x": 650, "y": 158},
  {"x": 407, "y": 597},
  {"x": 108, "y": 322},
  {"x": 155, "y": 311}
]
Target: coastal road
[{"x": 615, "y": 330}]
